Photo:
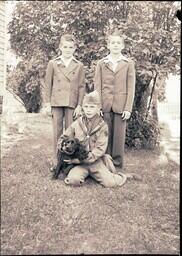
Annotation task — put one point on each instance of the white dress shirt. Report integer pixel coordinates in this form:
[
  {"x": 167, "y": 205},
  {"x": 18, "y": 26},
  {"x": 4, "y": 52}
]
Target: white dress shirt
[
  {"x": 114, "y": 63},
  {"x": 67, "y": 61}
]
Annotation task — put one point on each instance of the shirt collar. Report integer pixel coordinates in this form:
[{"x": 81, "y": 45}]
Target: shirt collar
[
  {"x": 68, "y": 60},
  {"x": 108, "y": 58}
]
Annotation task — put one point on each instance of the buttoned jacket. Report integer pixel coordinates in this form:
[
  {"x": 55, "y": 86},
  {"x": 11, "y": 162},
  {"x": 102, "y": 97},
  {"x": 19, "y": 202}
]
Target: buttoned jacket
[
  {"x": 116, "y": 88},
  {"x": 65, "y": 86}
]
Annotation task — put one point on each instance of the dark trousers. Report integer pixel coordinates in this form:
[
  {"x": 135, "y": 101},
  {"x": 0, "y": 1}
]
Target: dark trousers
[
  {"x": 117, "y": 132},
  {"x": 58, "y": 115}
]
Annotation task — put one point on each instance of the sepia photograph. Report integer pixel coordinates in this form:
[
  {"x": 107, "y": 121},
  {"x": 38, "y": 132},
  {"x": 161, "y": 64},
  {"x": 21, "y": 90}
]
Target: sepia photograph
[{"x": 90, "y": 127}]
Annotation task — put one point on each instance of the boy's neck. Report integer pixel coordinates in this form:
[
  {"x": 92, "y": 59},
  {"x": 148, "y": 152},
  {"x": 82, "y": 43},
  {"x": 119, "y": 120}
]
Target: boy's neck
[
  {"x": 66, "y": 59},
  {"x": 115, "y": 56},
  {"x": 92, "y": 118}
]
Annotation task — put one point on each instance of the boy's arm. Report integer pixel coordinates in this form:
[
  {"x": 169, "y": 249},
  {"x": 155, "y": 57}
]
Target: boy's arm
[
  {"x": 81, "y": 85},
  {"x": 81, "y": 92},
  {"x": 49, "y": 82},
  {"x": 100, "y": 147},
  {"x": 131, "y": 78},
  {"x": 98, "y": 79}
]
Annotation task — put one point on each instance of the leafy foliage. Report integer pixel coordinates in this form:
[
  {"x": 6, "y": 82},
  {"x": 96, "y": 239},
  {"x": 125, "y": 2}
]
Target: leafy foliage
[
  {"x": 152, "y": 40},
  {"x": 142, "y": 132},
  {"x": 26, "y": 81}
]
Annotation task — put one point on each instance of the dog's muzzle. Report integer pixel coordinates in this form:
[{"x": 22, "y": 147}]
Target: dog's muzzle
[{"x": 68, "y": 151}]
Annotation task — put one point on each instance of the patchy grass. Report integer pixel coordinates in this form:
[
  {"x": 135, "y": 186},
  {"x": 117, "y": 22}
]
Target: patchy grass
[{"x": 41, "y": 216}]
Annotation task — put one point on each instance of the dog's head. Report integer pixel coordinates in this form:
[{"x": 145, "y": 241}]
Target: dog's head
[
  {"x": 74, "y": 148},
  {"x": 69, "y": 145}
]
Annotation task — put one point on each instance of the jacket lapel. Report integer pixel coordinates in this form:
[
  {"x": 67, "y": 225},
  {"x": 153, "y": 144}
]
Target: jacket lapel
[
  {"x": 82, "y": 125},
  {"x": 98, "y": 123},
  {"x": 120, "y": 65},
  {"x": 97, "y": 127},
  {"x": 67, "y": 70},
  {"x": 108, "y": 65},
  {"x": 71, "y": 67}
]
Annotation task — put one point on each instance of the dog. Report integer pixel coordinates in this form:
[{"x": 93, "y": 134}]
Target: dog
[{"x": 70, "y": 148}]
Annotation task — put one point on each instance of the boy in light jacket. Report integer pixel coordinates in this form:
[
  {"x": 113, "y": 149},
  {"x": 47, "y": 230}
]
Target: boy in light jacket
[
  {"x": 115, "y": 82},
  {"x": 65, "y": 87}
]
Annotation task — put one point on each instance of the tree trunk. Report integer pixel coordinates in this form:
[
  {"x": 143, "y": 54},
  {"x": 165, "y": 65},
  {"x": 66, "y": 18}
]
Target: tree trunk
[
  {"x": 152, "y": 94},
  {"x": 154, "y": 109}
]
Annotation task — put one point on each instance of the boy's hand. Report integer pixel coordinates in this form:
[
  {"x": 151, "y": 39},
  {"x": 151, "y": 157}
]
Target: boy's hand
[
  {"x": 46, "y": 109},
  {"x": 101, "y": 113},
  {"x": 125, "y": 115},
  {"x": 77, "y": 111},
  {"x": 72, "y": 161}
]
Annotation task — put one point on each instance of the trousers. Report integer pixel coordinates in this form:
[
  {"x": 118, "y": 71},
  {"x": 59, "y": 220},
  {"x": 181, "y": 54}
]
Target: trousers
[
  {"x": 96, "y": 170},
  {"x": 58, "y": 115},
  {"x": 117, "y": 133}
]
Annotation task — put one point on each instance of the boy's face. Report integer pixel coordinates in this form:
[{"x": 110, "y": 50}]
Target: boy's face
[
  {"x": 115, "y": 44},
  {"x": 90, "y": 109},
  {"x": 67, "y": 48}
]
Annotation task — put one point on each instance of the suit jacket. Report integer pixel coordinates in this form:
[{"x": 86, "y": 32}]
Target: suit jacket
[
  {"x": 117, "y": 88},
  {"x": 65, "y": 86}
]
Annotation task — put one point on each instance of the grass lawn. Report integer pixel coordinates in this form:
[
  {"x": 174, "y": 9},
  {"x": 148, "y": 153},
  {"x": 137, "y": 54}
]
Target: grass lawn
[{"x": 42, "y": 216}]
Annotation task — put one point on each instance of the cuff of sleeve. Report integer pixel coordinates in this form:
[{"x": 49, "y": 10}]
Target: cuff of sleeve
[
  {"x": 127, "y": 110},
  {"x": 89, "y": 159},
  {"x": 47, "y": 104},
  {"x": 78, "y": 106}
]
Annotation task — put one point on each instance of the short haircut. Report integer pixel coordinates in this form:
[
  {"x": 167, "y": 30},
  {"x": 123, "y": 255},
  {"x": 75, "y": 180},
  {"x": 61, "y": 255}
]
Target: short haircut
[
  {"x": 115, "y": 33},
  {"x": 69, "y": 38}
]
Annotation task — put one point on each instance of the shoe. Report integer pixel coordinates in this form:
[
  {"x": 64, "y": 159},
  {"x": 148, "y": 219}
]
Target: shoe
[
  {"x": 119, "y": 166},
  {"x": 131, "y": 176},
  {"x": 134, "y": 176},
  {"x": 124, "y": 178},
  {"x": 52, "y": 168}
]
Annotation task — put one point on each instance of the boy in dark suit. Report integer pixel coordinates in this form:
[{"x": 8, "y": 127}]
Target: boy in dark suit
[
  {"x": 115, "y": 81},
  {"x": 65, "y": 87}
]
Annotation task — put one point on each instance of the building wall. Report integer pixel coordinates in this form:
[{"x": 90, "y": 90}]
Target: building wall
[{"x": 2, "y": 51}]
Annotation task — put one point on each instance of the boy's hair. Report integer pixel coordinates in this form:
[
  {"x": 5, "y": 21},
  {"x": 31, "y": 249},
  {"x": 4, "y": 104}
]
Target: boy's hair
[
  {"x": 69, "y": 38},
  {"x": 116, "y": 32}
]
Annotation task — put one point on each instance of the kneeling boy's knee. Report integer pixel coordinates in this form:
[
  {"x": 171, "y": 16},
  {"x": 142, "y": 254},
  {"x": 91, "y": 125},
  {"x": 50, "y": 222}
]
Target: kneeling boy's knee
[
  {"x": 109, "y": 183},
  {"x": 73, "y": 181}
]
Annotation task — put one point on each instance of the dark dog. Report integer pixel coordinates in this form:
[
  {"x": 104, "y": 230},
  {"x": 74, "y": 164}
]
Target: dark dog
[{"x": 70, "y": 149}]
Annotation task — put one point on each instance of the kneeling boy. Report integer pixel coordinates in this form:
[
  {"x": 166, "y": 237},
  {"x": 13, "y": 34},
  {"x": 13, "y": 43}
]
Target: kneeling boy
[{"x": 92, "y": 130}]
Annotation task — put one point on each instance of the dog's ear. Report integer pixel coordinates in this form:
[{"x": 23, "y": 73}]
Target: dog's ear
[
  {"x": 77, "y": 141},
  {"x": 64, "y": 139},
  {"x": 77, "y": 148},
  {"x": 82, "y": 152}
]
